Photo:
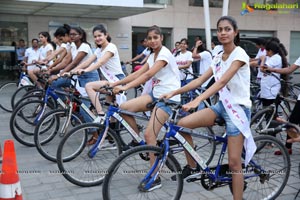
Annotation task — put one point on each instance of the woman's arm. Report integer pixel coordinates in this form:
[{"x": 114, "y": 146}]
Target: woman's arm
[
  {"x": 62, "y": 54},
  {"x": 217, "y": 86},
  {"x": 101, "y": 61},
  {"x": 195, "y": 54},
  {"x": 56, "y": 53},
  {"x": 191, "y": 85},
  {"x": 187, "y": 65},
  {"x": 132, "y": 76},
  {"x": 286, "y": 70},
  {"x": 66, "y": 60},
  {"x": 75, "y": 62},
  {"x": 158, "y": 65},
  {"x": 86, "y": 63}
]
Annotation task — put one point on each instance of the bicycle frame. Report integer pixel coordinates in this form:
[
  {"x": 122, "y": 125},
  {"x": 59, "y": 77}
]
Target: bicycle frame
[
  {"x": 173, "y": 132},
  {"x": 115, "y": 113}
]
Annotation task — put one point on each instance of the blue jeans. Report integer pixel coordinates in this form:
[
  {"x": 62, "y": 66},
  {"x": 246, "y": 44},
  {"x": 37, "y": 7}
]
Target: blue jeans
[{"x": 83, "y": 80}]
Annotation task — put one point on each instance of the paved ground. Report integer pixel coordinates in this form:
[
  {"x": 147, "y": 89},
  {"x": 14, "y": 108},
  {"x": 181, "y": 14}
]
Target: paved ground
[{"x": 40, "y": 181}]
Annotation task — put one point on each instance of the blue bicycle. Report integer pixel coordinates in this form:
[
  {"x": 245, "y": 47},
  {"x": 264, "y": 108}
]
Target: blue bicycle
[
  {"x": 89, "y": 164},
  {"x": 265, "y": 176}
]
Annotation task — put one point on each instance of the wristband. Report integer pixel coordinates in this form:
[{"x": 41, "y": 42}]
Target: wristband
[{"x": 58, "y": 75}]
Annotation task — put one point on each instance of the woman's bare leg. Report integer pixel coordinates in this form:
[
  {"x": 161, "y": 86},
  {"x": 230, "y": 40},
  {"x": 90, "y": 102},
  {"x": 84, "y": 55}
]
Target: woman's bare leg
[
  {"x": 91, "y": 89},
  {"x": 201, "y": 118},
  {"x": 138, "y": 104},
  {"x": 235, "y": 148}
]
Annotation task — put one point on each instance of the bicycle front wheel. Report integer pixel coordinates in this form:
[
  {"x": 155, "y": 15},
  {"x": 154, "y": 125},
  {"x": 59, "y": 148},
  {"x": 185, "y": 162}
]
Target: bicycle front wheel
[
  {"x": 267, "y": 174},
  {"x": 126, "y": 176},
  {"x": 51, "y": 129},
  {"x": 75, "y": 158}
]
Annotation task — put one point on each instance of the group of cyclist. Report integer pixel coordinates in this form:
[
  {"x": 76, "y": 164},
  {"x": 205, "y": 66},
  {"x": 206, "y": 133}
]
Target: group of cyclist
[{"x": 230, "y": 69}]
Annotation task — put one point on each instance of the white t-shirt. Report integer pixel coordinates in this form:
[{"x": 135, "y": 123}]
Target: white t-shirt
[
  {"x": 205, "y": 62},
  {"x": 32, "y": 55},
  {"x": 113, "y": 64},
  {"x": 297, "y": 62},
  {"x": 44, "y": 50},
  {"x": 84, "y": 47},
  {"x": 217, "y": 50},
  {"x": 239, "y": 84},
  {"x": 261, "y": 52},
  {"x": 269, "y": 85},
  {"x": 67, "y": 46},
  {"x": 183, "y": 59},
  {"x": 167, "y": 79}
]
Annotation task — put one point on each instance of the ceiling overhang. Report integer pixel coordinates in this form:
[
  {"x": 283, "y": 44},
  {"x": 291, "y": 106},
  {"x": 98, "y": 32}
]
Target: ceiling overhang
[{"x": 107, "y": 9}]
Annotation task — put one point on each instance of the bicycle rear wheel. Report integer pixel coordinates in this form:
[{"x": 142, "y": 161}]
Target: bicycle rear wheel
[
  {"x": 6, "y": 92},
  {"x": 125, "y": 176},
  {"x": 51, "y": 129},
  {"x": 74, "y": 157},
  {"x": 266, "y": 174}
]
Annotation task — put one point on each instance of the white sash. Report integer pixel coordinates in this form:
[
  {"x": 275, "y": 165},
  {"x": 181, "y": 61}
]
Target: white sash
[
  {"x": 120, "y": 98},
  {"x": 236, "y": 113}
]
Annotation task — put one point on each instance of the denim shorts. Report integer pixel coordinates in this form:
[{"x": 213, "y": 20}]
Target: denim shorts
[
  {"x": 120, "y": 76},
  {"x": 162, "y": 105},
  {"x": 231, "y": 129}
]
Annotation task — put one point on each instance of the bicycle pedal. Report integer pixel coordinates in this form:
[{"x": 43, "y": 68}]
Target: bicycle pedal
[{"x": 190, "y": 180}]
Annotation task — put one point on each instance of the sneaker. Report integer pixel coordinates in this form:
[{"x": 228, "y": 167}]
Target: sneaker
[
  {"x": 155, "y": 185},
  {"x": 187, "y": 172}
]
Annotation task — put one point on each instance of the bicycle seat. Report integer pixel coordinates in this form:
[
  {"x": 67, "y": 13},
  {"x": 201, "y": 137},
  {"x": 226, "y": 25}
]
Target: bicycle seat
[{"x": 220, "y": 121}]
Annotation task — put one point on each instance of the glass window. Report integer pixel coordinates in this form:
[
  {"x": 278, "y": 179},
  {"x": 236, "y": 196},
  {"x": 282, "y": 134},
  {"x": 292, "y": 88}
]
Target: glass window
[
  {"x": 212, "y": 3},
  {"x": 10, "y": 34}
]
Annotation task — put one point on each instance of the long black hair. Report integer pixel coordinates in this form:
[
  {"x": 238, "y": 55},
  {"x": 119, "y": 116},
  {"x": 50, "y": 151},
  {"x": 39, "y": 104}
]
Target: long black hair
[
  {"x": 233, "y": 22},
  {"x": 81, "y": 32},
  {"x": 62, "y": 31},
  {"x": 277, "y": 48}
]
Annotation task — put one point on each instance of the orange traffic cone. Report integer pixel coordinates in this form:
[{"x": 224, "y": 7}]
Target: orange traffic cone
[{"x": 10, "y": 187}]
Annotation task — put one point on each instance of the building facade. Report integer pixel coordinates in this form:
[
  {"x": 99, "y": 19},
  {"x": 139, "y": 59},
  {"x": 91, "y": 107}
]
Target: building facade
[{"x": 127, "y": 26}]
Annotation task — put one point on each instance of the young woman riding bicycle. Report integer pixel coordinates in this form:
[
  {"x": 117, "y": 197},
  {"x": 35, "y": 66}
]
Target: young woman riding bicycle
[{"x": 232, "y": 73}]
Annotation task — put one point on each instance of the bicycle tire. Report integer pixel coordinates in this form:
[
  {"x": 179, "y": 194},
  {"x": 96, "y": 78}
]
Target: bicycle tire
[
  {"x": 47, "y": 141},
  {"x": 6, "y": 92},
  {"x": 36, "y": 95},
  {"x": 126, "y": 173},
  {"x": 73, "y": 158},
  {"x": 267, "y": 181},
  {"x": 23, "y": 121},
  {"x": 20, "y": 93}
]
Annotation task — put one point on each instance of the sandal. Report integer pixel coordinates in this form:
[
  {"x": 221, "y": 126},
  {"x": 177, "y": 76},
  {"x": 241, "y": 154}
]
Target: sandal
[{"x": 92, "y": 140}]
